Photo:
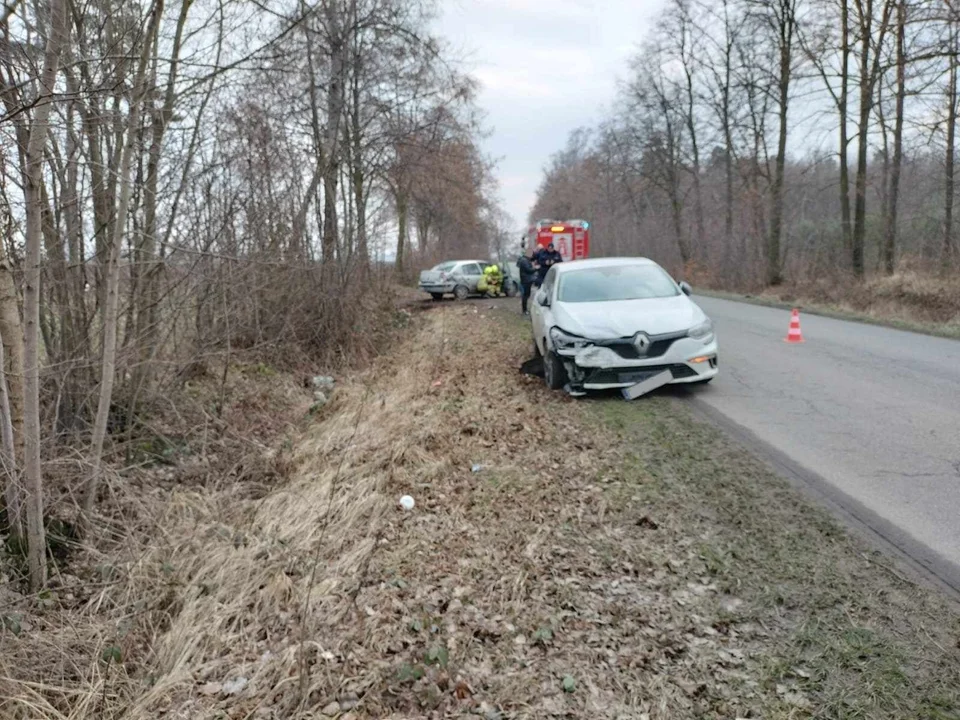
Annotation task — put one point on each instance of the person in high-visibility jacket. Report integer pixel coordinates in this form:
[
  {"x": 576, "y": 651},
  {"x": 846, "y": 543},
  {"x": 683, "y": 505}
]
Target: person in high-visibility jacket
[{"x": 494, "y": 278}]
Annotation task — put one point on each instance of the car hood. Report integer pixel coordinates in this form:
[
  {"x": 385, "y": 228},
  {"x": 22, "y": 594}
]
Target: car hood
[{"x": 623, "y": 318}]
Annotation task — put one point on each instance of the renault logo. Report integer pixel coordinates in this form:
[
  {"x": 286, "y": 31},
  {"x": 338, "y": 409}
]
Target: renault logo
[{"x": 641, "y": 341}]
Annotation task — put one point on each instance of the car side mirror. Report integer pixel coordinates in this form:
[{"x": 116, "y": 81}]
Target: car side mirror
[
  {"x": 543, "y": 299},
  {"x": 685, "y": 287}
]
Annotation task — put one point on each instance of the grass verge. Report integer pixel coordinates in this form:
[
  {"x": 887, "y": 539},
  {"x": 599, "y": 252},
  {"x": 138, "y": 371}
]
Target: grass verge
[
  {"x": 833, "y": 631},
  {"x": 904, "y": 302}
]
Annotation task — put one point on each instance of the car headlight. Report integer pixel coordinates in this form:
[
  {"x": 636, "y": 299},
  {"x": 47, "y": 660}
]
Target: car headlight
[
  {"x": 702, "y": 331},
  {"x": 565, "y": 341}
]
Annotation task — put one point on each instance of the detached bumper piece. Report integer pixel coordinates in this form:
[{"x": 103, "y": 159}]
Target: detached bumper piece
[{"x": 648, "y": 385}]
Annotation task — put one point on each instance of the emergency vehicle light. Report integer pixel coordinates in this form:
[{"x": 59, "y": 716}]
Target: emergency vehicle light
[{"x": 557, "y": 228}]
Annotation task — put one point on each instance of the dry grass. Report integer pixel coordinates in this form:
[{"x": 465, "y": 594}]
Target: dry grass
[{"x": 570, "y": 576}]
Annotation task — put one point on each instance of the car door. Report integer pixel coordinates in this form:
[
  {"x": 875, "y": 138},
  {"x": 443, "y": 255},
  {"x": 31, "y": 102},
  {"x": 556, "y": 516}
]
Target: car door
[
  {"x": 471, "y": 274},
  {"x": 540, "y": 315}
]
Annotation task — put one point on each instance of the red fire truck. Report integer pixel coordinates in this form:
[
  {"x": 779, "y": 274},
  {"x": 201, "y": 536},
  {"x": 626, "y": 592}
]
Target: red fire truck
[{"x": 571, "y": 238}]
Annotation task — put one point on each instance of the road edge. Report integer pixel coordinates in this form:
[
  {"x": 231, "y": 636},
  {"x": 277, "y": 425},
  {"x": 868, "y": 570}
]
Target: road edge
[{"x": 918, "y": 562}]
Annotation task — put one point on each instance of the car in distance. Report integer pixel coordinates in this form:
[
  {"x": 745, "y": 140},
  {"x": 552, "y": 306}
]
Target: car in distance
[
  {"x": 614, "y": 322},
  {"x": 459, "y": 278}
]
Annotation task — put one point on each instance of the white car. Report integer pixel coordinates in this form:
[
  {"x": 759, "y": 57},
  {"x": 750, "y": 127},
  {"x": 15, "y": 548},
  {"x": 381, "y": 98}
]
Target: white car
[{"x": 615, "y": 322}]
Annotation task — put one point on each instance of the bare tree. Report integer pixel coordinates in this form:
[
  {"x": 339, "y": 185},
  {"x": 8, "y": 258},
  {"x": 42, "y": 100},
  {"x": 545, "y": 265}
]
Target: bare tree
[
  {"x": 890, "y": 236},
  {"x": 872, "y": 38},
  {"x": 111, "y": 308},
  {"x": 33, "y": 192}
]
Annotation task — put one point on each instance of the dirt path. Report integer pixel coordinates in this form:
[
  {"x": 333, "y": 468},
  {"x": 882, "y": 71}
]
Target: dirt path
[{"x": 587, "y": 559}]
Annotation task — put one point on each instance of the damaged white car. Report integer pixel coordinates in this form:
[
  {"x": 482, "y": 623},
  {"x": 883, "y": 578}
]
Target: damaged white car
[{"x": 620, "y": 323}]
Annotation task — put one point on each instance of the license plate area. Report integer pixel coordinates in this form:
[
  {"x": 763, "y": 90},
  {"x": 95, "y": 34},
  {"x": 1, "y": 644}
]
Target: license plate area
[{"x": 637, "y": 376}]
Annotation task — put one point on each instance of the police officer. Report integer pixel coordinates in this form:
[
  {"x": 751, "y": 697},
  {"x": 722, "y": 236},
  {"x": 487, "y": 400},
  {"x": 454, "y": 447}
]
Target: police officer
[{"x": 545, "y": 260}]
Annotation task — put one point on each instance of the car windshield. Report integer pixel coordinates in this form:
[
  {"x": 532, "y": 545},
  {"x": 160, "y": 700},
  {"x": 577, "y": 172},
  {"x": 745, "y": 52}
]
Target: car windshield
[
  {"x": 615, "y": 282},
  {"x": 444, "y": 267}
]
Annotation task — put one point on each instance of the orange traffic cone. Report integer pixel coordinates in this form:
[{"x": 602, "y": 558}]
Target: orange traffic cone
[{"x": 794, "y": 335}]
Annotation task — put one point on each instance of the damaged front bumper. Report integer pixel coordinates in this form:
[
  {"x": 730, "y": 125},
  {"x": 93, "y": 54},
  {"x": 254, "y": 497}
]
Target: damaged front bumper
[{"x": 601, "y": 368}]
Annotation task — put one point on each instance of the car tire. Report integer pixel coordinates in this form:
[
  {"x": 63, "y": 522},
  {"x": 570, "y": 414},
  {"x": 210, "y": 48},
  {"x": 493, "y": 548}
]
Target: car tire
[
  {"x": 437, "y": 296},
  {"x": 554, "y": 373},
  {"x": 461, "y": 292}
]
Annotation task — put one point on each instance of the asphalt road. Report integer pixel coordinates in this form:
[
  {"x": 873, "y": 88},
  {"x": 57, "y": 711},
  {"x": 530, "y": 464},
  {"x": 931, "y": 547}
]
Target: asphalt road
[{"x": 869, "y": 417}]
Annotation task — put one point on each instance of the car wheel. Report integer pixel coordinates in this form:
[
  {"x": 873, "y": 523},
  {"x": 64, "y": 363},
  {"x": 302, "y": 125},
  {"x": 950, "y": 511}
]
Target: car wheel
[
  {"x": 437, "y": 296},
  {"x": 554, "y": 373},
  {"x": 461, "y": 292}
]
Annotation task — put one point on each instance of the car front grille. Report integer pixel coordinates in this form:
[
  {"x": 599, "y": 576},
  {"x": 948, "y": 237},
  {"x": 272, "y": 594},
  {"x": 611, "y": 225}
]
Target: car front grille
[
  {"x": 636, "y": 375},
  {"x": 659, "y": 344},
  {"x": 628, "y": 350}
]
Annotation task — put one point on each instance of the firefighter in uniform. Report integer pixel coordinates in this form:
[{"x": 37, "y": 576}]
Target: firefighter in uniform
[{"x": 494, "y": 279}]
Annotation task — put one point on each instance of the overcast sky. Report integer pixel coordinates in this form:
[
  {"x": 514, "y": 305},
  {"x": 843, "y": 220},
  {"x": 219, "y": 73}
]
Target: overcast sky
[{"x": 546, "y": 67}]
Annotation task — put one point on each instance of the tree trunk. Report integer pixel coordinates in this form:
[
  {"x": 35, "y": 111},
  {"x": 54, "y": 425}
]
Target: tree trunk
[
  {"x": 332, "y": 150},
  {"x": 890, "y": 239},
  {"x": 112, "y": 279},
  {"x": 842, "y": 104},
  {"x": 146, "y": 332},
  {"x": 774, "y": 270},
  {"x": 401, "y": 231},
  {"x": 727, "y": 130},
  {"x": 33, "y": 482},
  {"x": 11, "y": 337},
  {"x": 356, "y": 136},
  {"x": 694, "y": 148},
  {"x": 869, "y": 71},
  {"x": 951, "y": 146},
  {"x": 13, "y": 493}
]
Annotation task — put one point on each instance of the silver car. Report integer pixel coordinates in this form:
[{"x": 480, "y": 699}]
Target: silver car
[{"x": 454, "y": 277}]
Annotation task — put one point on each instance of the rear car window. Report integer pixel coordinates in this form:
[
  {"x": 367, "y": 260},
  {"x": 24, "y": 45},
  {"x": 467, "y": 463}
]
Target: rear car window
[{"x": 444, "y": 267}]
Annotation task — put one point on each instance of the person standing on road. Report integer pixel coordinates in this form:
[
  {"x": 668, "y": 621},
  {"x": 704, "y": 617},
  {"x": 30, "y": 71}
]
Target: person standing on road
[
  {"x": 528, "y": 276},
  {"x": 545, "y": 260}
]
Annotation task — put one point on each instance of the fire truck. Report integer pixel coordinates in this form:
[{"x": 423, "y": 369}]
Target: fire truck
[{"x": 571, "y": 238}]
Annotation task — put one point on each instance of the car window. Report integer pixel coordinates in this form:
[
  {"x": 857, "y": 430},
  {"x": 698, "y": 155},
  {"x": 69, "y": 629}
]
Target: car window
[
  {"x": 470, "y": 269},
  {"x": 550, "y": 280},
  {"x": 444, "y": 267},
  {"x": 615, "y": 282}
]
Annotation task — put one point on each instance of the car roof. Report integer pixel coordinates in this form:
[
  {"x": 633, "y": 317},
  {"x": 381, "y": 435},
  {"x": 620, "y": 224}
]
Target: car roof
[{"x": 602, "y": 262}]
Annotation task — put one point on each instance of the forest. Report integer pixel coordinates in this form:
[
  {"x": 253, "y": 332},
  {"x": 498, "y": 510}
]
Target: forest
[
  {"x": 187, "y": 182},
  {"x": 766, "y": 143}
]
